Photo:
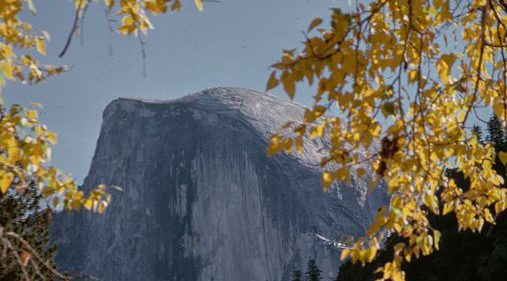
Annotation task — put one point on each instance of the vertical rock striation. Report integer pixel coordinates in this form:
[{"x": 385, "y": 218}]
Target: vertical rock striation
[{"x": 201, "y": 199}]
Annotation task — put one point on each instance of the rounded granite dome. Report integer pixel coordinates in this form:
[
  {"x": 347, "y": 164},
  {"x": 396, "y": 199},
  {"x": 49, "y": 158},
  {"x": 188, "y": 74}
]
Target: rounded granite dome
[{"x": 265, "y": 112}]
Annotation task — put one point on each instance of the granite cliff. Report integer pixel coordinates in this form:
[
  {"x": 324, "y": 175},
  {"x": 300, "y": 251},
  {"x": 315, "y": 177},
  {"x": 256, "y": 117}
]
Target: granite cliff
[{"x": 201, "y": 199}]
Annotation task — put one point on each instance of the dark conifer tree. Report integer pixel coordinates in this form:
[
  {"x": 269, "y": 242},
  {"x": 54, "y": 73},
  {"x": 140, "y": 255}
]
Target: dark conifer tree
[
  {"x": 296, "y": 276},
  {"x": 22, "y": 214},
  {"x": 313, "y": 271},
  {"x": 496, "y": 132},
  {"x": 496, "y": 136},
  {"x": 476, "y": 130}
]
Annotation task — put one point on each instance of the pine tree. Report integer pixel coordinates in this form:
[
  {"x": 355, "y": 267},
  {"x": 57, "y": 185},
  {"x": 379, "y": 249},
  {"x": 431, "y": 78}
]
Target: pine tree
[
  {"x": 22, "y": 213},
  {"x": 296, "y": 275},
  {"x": 313, "y": 272},
  {"x": 496, "y": 133},
  {"x": 476, "y": 131}
]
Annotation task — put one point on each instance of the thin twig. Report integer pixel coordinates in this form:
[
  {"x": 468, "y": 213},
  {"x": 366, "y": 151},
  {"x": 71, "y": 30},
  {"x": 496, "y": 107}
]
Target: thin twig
[
  {"x": 142, "y": 44},
  {"x": 75, "y": 26}
]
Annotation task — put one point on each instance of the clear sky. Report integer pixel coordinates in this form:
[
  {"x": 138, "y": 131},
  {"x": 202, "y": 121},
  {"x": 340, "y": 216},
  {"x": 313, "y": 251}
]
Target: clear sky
[{"x": 231, "y": 43}]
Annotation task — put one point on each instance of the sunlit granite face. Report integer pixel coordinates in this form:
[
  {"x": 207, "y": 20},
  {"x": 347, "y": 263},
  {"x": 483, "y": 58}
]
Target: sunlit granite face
[{"x": 202, "y": 200}]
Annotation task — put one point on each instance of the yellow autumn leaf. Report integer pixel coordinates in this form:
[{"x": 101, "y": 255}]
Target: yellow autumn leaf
[
  {"x": 40, "y": 45},
  {"x": 274, "y": 145},
  {"x": 444, "y": 66},
  {"x": 199, "y": 4},
  {"x": 101, "y": 207},
  {"x": 327, "y": 179},
  {"x": 127, "y": 25},
  {"x": 345, "y": 253},
  {"x": 447, "y": 209},
  {"x": 31, "y": 6},
  {"x": 412, "y": 75},
  {"x": 315, "y": 22},
  {"x": 499, "y": 107},
  {"x": 5, "y": 180},
  {"x": 343, "y": 174},
  {"x": 287, "y": 144},
  {"x": 7, "y": 69},
  {"x": 51, "y": 137},
  {"x": 499, "y": 207},
  {"x": 272, "y": 81},
  {"x": 88, "y": 204},
  {"x": 176, "y": 5},
  {"x": 109, "y": 4},
  {"x": 370, "y": 254},
  {"x": 502, "y": 155},
  {"x": 288, "y": 84},
  {"x": 436, "y": 238},
  {"x": 32, "y": 114},
  {"x": 361, "y": 172}
]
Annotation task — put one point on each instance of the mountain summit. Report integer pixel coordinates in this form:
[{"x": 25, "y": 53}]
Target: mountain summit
[{"x": 202, "y": 200}]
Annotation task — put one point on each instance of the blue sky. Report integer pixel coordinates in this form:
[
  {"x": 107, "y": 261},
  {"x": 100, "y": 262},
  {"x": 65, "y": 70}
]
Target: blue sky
[{"x": 231, "y": 43}]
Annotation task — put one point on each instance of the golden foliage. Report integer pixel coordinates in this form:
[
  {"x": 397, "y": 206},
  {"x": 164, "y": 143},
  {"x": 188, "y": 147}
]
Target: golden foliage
[
  {"x": 24, "y": 141},
  {"x": 25, "y": 150},
  {"x": 397, "y": 83},
  {"x": 134, "y": 13}
]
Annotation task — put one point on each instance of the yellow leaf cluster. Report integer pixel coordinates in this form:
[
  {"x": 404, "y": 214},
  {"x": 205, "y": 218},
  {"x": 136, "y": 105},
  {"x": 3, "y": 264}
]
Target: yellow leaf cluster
[
  {"x": 135, "y": 13},
  {"x": 24, "y": 141},
  {"x": 25, "y": 148},
  {"x": 397, "y": 84},
  {"x": 17, "y": 35}
]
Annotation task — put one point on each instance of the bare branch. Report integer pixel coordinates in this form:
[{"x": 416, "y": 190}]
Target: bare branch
[{"x": 75, "y": 26}]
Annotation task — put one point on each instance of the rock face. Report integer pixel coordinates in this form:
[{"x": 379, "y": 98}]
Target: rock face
[{"x": 201, "y": 199}]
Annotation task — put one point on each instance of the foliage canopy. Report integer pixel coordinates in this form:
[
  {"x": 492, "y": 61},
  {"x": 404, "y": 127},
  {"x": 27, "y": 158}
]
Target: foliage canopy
[
  {"x": 463, "y": 255},
  {"x": 397, "y": 83}
]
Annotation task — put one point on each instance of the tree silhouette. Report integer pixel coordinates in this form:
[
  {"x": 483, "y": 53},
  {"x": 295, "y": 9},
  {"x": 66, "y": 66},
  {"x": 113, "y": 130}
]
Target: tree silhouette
[
  {"x": 313, "y": 271},
  {"x": 496, "y": 132},
  {"x": 296, "y": 275},
  {"x": 476, "y": 130}
]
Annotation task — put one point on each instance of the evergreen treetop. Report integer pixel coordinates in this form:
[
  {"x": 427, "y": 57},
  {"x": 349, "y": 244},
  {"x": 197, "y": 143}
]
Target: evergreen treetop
[
  {"x": 313, "y": 271},
  {"x": 476, "y": 131},
  {"x": 496, "y": 134},
  {"x": 296, "y": 275}
]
